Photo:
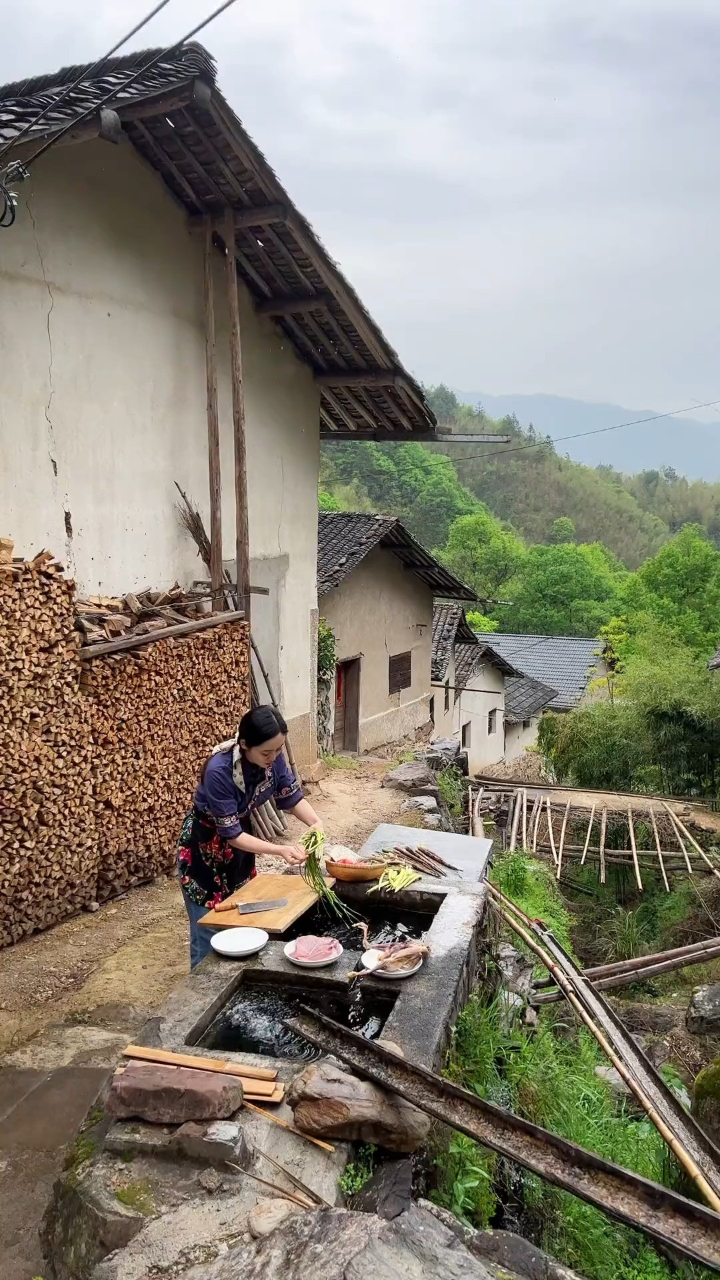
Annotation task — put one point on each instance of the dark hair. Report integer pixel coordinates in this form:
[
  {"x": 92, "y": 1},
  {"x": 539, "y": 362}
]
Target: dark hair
[{"x": 259, "y": 725}]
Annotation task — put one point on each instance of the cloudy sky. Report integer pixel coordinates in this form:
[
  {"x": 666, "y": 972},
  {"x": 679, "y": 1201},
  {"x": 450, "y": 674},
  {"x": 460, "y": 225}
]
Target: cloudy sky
[{"x": 524, "y": 192}]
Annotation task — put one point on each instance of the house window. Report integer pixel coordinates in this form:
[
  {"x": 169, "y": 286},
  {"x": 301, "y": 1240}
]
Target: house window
[
  {"x": 432, "y": 710},
  {"x": 399, "y": 672},
  {"x": 492, "y": 721},
  {"x": 466, "y": 734},
  {"x": 447, "y": 696},
  {"x": 526, "y": 724}
]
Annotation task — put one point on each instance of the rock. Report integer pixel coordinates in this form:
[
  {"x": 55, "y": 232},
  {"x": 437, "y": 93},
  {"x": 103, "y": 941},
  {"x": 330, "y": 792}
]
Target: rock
[
  {"x": 442, "y": 752},
  {"x": 612, "y": 1077},
  {"x": 433, "y": 822},
  {"x": 415, "y": 778},
  {"x": 388, "y": 1193},
  {"x": 391, "y": 1046},
  {"x": 330, "y": 1103},
  {"x": 83, "y": 1223},
  {"x": 337, "y": 1244},
  {"x": 172, "y": 1095},
  {"x": 516, "y": 970},
  {"x": 268, "y": 1215},
  {"x": 195, "y": 1230},
  {"x": 419, "y": 804},
  {"x": 654, "y": 1018},
  {"x": 210, "y": 1181},
  {"x": 510, "y": 1007},
  {"x": 214, "y": 1143},
  {"x": 703, "y": 1013},
  {"x": 508, "y": 1254},
  {"x": 706, "y": 1100}
]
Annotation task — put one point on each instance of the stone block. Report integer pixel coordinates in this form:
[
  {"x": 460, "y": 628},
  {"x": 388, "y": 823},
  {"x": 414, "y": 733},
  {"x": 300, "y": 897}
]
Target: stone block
[
  {"x": 268, "y": 1215},
  {"x": 330, "y": 1103},
  {"x": 213, "y": 1143},
  {"x": 172, "y": 1095},
  {"x": 415, "y": 778},
  {"x": 703, "y": 1013}
]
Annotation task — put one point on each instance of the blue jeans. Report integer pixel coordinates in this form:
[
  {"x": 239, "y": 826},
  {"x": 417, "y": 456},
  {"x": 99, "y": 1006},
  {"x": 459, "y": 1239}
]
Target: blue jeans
[{"x": 200, "y": 935}]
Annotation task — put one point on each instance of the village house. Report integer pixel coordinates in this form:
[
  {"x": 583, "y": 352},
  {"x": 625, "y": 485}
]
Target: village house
[
  {"x": 479, "y": 696},
  {"x": 573, "y": 666},
  {"x": 116, "y": 340},
  {"x": 376, "y": 586}
]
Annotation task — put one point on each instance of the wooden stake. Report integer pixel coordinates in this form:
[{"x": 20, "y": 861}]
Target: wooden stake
[
  {"x": 242, "y": 549},
  {"x": 589, "y": 833},
  {"x": 659, "y": 850},
  {"x": 213, "y": 425},
  {"x": 524, "y": 818},
  {"x": 678, "y": 834},
  {"x": 536, "y": 824},
  {"x": 693, "y": 841},
  {"x": 562, "y": 839},
  {"x": 603, "y": 832},
  {"x": 633, "y": 846},
  {"x": 551, "y": 835},
  {"x": 515, "y": 821}
]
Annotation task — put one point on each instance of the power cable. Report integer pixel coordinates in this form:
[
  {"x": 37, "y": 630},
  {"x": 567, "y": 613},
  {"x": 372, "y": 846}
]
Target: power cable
[{"x": 86, "y": 75}]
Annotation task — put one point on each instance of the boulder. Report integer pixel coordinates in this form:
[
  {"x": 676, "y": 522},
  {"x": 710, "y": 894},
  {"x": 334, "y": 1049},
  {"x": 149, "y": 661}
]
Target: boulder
[
  {"x": 703, "y": 1013},
  {"x": 213, "y": 1143},
  {"x": 268, "y": 1215},
  {"x": 706, "y": 1100},
  {"x": 83, "y": 1223},
  {"x": 510, "y": 1007},
  {"x": 415, "y": 778},
  {"x": 328, "y": 1102},
  {"x": 442, "y": 752},
  {"x": 388, "y": 1193},
  {"x": 510, "y": 1256},
  {"x": 172, "y": 1095},
  {"x": 516, "y": 970},
  {"x": 419, "y": 804},
  {"x": 337, "y": 1244}
]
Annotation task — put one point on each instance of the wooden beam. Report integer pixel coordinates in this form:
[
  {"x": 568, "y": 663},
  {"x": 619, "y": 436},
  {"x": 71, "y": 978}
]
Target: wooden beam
[
  {"x": 360, "y": 378},
  {"x": 242, "y": 547},
  {"x": 213, "y": 425},
  {"x": 137, "y": 642},
  {"x": 633, "y": 846},
  {"x": 259, "y": 216},
  {"x": 340, "y": 410},
  {"x": 164, "y": 162},
  {"x": 292, "y": 304}
]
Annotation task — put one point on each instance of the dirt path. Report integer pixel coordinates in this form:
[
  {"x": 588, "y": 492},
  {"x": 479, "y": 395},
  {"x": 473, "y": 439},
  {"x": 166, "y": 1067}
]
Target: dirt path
[{"x": 115, "y": 967}]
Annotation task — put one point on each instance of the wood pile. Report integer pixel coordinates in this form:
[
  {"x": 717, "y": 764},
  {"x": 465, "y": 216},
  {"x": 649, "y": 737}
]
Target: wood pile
[
  {"x": 99, "y": 755},
  {"x": 100, "y": 618}
]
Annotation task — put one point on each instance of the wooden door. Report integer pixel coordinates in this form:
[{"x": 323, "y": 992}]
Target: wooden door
[{"x": 347, "y": 705}]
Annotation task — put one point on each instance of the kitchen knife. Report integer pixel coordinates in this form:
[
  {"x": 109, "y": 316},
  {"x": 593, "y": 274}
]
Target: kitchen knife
[{"x": 249, "y": 908}]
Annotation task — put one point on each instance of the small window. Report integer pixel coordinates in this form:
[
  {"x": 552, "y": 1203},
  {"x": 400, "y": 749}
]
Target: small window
[
  {"x": 526, "y": 724},
  {"x": 399, "y": 672},
  {"x": 432, "y": 710},
  {"x": 466, "y": 734},
  {"x": 447, "y": 695},
  {"x": 492, "y": 721}
]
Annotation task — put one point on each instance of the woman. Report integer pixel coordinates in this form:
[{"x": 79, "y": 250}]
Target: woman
[{"x": 216, "y": 852}]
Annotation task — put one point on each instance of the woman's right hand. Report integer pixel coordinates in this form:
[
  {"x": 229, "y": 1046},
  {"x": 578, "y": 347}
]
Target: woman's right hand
[{"x": 293, "y": 854}]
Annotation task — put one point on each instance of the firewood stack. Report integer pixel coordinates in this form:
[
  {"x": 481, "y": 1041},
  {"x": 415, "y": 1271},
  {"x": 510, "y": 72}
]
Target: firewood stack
[
  {"x": 101, "y": 618},
  {"x": 47, "y": 836},
  {"x": 98, "y": 756},
  {"x": 155, "y": 714}
]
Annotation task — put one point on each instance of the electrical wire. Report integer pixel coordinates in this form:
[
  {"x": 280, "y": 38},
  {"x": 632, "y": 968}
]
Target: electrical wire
[
  {"x": 86, "y": 75},
  {"x": 120, "y": 88}
]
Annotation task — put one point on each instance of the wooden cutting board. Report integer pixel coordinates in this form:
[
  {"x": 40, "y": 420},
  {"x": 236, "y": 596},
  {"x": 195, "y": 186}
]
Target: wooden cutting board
[{"x": 266, "y": 888}]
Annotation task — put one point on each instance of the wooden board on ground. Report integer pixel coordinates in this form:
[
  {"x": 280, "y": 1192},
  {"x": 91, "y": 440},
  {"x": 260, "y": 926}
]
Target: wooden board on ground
[{"x": 266, "y": 888}]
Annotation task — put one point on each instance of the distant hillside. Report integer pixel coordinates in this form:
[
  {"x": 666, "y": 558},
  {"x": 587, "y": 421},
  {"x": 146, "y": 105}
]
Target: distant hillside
[{"x": 692, "y": 448}]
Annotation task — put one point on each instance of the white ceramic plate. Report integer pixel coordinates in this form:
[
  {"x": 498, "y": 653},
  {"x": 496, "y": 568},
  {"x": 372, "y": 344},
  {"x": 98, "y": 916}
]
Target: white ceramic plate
[
  {"x": 289, "y": 950},
  {"x": 371, "y": 957},
  {"x": 239, "y": 942}
]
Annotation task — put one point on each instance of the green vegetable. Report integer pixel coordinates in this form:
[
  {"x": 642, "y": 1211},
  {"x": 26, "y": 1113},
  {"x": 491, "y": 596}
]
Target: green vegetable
[
  {"x": 395, "y": 878},
  {"x": 314, "y": 874}
]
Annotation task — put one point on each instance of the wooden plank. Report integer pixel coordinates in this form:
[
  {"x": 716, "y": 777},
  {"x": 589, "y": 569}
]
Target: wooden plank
[
  {"x": 261, "y": 889},
  {"x": 220, "y": 1066},
  {"x": 659, "y": 849},
  {"x": 603, "y": 833},
  {"x": 242, "y": 545},
  {"x": 562, "y": 839},
  {"x": 633, "y": 846},
  {"x": 693, "y": 841},
  {"x": 182, "y": 629},
  {"x": 551, "y": 834},
  {"x": 292, "y": 304},
  {"x": 213, "y": 425},
  {"x": 678, "y": 834},
  {"x": 587, "y": 838},
  {"x": 317, "y": 1142},
  {"x": 251, "y": 216},
  {"x": 360, "y": 378}
]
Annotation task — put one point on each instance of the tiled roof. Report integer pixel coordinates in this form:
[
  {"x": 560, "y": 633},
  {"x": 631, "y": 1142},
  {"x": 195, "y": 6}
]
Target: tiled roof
[
  {"x": 346, "y": 537},
  {"x": 525, "y": 697},
  {"x": 177, "y": 120},
  {"x": 564, "y": 663},
  {"x": 452, "y": 633}
]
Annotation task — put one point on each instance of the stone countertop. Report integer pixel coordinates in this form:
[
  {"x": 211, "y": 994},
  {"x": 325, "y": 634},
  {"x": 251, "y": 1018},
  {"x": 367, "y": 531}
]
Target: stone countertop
[{"x": 468, "y": 853}]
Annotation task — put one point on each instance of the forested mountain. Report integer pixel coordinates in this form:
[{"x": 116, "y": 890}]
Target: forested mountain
[{"x": 691, "y": 447}]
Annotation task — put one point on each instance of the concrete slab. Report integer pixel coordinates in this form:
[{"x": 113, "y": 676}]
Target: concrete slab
[
  {"x": 69, "y": 1044},
  {"x": 48, "y": 1116},
  {"x": 468, "y": 853},
  {"x": 16, "y": 1084}
]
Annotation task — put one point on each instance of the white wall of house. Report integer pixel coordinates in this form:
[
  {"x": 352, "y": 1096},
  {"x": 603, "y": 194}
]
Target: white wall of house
[
  {"x": 379, "y": 611},
  {"x": 102, "y": 404},
  {"x": 484, "y": 696},
  {"x": 518, "y": 737},
  {"x": 444, "y": 696}
]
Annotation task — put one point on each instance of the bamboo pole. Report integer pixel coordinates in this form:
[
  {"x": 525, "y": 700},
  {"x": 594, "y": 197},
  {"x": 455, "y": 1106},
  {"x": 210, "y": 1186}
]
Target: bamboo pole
[
  {"x": 603, "y": 833},
  {"x": 551, "y": 835},
  {"x": 213, "y": 426},
  {"x": 516, "y": 820},
  {"x": 659, "y": 849},
  {"x": 693, "y": 841},
  {"x": 678, "y": 834},
  {"x": 633, "y": 846},
  {"x": 562, "y": 838},
  {"x": 676, "y": 1147},
  {"x": 640, "y": 962},
  {"x": 589, "y": 833},
  {"x": 623, "y": 979},
  {"x": 242, "y": 547},
  {"x": 536, "y": 825}
]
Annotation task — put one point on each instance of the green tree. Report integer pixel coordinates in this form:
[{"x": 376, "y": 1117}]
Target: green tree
[
  {"x": 480, "y": 621},
  {"x": 562, "y": 530},
  {"x": 482, "y": 553},
  {"x": 568, "y": 590},
  {"x": 327, "y": 501}
]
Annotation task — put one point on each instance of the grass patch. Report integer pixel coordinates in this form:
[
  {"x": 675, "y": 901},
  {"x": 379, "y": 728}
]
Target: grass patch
[
  {"x": 358, "y": 1171},
  {"x": 341, "y": 762},
  {"x": 138, "y": 1196},
  {"x": 452, "y": 790},
  {"x": 532, "y": 885}
]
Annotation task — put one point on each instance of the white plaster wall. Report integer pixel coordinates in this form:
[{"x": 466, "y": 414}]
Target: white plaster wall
[
  {"x": 473, "y": 705},
  {"x": 518, "y": 738},
  {"x": 380, "y": 610},
  {"x": 102, "y": 399},
  {"x": 445, "y": 720}
]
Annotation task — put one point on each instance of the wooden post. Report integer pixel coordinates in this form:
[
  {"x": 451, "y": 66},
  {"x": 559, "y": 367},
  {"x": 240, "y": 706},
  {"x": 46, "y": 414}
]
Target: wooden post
[
  {"x": 633, "y": 846},
  {"x": 242, "y": 551},
  {"x": 659, "y": 848},
  {"x": 551, "y": 837},
  {"x": 562, "y": 839},
  {"x": 587, "y": 838},
  {"x": 603, "y": 832},
  {"x": 216, "y": 569}
]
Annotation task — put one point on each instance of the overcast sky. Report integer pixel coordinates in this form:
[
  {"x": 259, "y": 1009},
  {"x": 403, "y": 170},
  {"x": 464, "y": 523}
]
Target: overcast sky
[{"x": 524, "y": 192}]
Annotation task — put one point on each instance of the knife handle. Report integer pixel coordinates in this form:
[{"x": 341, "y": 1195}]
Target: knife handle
[{"x": 227, "y": 905}]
